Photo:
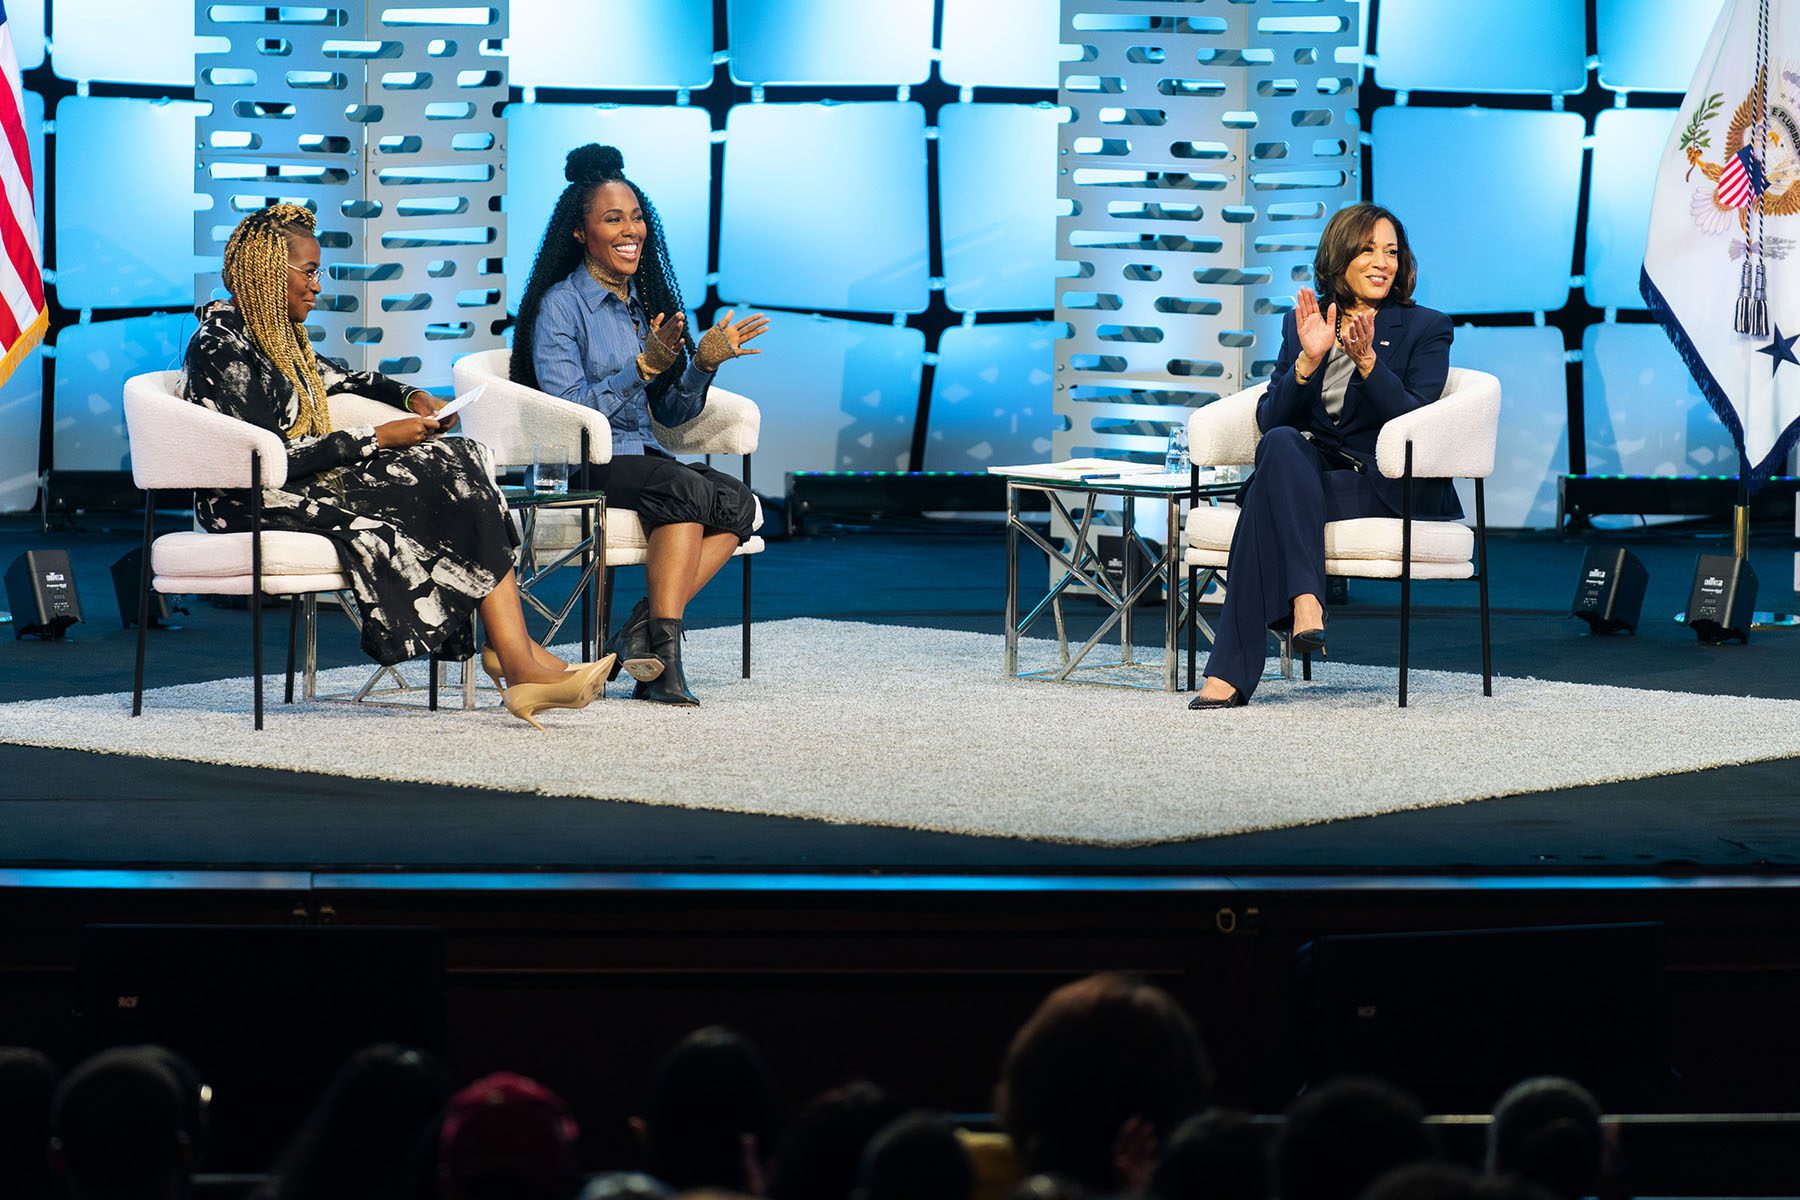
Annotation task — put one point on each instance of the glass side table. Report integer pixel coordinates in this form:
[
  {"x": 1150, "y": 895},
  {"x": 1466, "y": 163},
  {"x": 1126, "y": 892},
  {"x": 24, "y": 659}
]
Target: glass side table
[{"x": 1083, "y": 565}]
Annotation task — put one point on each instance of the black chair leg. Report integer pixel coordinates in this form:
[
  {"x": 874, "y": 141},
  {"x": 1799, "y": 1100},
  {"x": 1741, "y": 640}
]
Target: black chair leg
[
  {"x": 137, "y": 676},
  {"x": 1405, "y": 568},
  {"x": 1487, "y": 645},
  {"x": 431, "y": 689},
  {"x": 606, "y": 604},
  {"x": 256, "y": 624},
  {"x": 1193, "y": 624},
  {"x": 293, "y": 630},
  {"x": 746, "y": 616},
  {"x": 1306, "y": 665}
]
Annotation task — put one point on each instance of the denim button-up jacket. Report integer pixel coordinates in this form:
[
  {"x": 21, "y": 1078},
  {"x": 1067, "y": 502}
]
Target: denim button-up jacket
[{"x": 585, "y": 350}]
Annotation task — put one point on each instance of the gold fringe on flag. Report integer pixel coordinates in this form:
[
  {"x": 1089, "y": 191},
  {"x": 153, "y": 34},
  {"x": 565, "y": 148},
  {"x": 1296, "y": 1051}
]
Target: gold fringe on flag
[{"x": 28, "y": 341}]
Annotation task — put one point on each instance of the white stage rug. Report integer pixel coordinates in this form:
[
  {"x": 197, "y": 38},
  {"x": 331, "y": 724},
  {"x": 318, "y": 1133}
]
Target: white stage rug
[{"x": 918, "y": 728}]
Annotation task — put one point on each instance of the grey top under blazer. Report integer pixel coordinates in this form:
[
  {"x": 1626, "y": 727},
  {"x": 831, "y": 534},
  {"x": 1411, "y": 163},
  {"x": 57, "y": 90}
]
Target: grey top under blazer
[{"x": 1412, "y": 361}]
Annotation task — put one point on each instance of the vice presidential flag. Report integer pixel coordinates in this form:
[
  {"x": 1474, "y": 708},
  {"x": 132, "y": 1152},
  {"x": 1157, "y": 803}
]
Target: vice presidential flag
[
  {"x": 23, "y": 314},
  {"x": 1722, "y": 265}
]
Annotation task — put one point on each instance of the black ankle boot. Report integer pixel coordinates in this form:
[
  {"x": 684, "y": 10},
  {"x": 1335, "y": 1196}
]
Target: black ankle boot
[
  {"x": 669, "y": 687},
  {"x": 631, "y": 642}
]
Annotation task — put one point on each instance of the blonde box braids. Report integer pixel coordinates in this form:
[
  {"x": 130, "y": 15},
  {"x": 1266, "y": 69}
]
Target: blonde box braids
[{"x": 256, "y": 275}]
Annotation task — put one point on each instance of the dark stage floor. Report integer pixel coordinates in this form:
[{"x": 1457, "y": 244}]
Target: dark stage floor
[{"x": 64, "y": 808}]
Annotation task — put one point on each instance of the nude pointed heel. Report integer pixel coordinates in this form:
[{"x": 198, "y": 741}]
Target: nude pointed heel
[
  {"x": 526, "y": 700},
  {"x": 490, "y": 662}
]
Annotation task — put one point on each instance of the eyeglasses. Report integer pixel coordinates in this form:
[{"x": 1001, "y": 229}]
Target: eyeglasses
[{"x": 316, "y": 274}]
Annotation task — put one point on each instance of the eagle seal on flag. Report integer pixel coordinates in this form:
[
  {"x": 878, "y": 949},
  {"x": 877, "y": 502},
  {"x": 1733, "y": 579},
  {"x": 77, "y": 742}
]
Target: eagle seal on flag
[{"x": 1719, "y": 275}]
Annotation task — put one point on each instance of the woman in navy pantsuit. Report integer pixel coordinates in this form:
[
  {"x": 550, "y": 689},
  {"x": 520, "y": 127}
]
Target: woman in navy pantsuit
[{"x": 1353, "y": 357}]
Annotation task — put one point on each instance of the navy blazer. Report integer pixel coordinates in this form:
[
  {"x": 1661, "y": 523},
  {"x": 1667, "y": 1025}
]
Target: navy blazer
[{"x": 1412, "y": 361}]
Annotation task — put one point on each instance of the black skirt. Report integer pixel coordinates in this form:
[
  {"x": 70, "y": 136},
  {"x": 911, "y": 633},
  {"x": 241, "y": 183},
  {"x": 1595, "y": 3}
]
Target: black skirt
[{"x": 666, "y": 491}]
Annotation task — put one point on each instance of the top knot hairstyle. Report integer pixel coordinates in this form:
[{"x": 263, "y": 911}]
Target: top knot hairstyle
[
  {"x": 559, "y": 255},
  {"x": 256, "y": 275}
]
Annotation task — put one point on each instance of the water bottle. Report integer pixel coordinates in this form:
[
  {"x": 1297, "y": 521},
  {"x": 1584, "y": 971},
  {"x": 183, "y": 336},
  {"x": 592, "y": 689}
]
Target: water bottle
[{"x": 1175, "y": 460}]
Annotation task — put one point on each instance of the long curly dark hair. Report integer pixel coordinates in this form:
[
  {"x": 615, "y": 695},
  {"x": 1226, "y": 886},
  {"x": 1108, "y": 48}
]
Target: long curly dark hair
[{"x": 559, "y": 255}]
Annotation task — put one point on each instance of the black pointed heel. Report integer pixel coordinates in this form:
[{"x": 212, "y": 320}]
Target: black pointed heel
[
  {"x": 1310, "y": 642},
  {"x": 1235, "y": 700}
]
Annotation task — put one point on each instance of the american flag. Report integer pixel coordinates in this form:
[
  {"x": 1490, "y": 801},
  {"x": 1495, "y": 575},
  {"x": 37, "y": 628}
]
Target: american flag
[
  {"x": 23, "y": 313},
  {"x": 1742, "y": 180}
]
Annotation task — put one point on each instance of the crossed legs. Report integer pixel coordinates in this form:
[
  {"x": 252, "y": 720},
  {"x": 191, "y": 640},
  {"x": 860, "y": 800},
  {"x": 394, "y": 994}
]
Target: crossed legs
[
  {"x": 683, "y": 558},
  {"x": 522, "y": 659},
  {"x": 1277, "y": 566}
]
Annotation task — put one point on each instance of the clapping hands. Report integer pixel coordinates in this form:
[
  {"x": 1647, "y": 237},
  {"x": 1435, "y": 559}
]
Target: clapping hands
[
  {"x": 1359, "y": 340},
  {"x": 1318, "y": 332}
]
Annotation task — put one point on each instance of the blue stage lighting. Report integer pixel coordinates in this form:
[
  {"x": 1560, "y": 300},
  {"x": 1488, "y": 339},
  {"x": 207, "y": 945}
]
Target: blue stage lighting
[
  {"x": 1642, "y": 412},
  {"x": 92, "y": 364},
  {"x": 108, "y": 147},
  {"x": 668, "y": 151},
  {"x": 1001, "y": 43},
  {"x": 1482, "y": 45},
  {"x": 990, "y": 396},
  {"x": 135, "y": 42},
  {"x": 668, "y": 44},
  {"x": 21, "y": 416},
  {"x": 830, "y": 41},
  {"x": 25, "y": 21},
  {"x": 1489, "y": 200},
  {"x": 997, "y": 205},
  {"x": 1652, "y": 45},
  {"x": 1628, "y": 146},
  {"x": 835, "y": 395},
  {"x": 825, "y": 207},
  {"x": 1534, "y": 420}
]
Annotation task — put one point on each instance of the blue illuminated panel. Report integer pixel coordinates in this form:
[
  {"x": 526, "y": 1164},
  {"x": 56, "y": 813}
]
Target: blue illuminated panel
[
  {"x": 1628, "y": 145},
  {"x": 668, "y": 44},
  {"x": 132, "y": 42},
  {"x": 830, "y": 41},
  {"x": 1534, "y": 421},
  {"x": 25, "y": 21},
  {"x": 1652, "y": 45},
  {"x": 835, "y": 395},
  {"x": 997, "y": 205},
  {"x": 109, "y": 148},
  {"x": 1642, "y": 412},
  {"x": 22, "y": 396},
  {"x": 990, "y": 396},
  {"x": 1482, "y": 45},
  {"x": 825, "y": 207},
  {"x": 34, "y": 136},
  {"x": 667, "y": 150},
  {"x": 1489, "y": 200},
  {"x": 92, "y": 364},
  {"x": 21, "y": 416},
  {"x": 1000, "y": 43}
]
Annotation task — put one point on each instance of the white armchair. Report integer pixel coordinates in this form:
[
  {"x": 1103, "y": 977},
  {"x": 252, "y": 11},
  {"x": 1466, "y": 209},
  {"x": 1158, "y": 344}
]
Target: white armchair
[
  {"x": 1455, "y": 437},
  {"x": 519, "y": 424},
  {"x": 179, "y": 446}
]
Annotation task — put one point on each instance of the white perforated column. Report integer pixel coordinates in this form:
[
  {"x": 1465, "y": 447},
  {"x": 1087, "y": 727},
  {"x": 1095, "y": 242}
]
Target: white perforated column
[
  {"x": 1208, "y": 143},
  {"x": 383, "y": 116}
]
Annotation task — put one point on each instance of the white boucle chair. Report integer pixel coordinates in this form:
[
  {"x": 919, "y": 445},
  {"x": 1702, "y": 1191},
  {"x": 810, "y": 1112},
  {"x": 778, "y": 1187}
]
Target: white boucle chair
[
  {"x": 177, "y": 445},
  {"x": 1454, "y": 437},
  {"x": 520, "y": 424}
]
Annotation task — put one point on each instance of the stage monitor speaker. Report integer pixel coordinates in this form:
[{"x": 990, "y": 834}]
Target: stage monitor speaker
[
  {"x": 266, "y": 1013},
  {"x": 1610, "y": 593},
  {"x": 1458, "y": 1017},
  {"x": 40, "y": 590},
  {"x": 125, "y": 577},
  {"x": 1111, "y": 549},
  {"x": 1723, "y": 601}
]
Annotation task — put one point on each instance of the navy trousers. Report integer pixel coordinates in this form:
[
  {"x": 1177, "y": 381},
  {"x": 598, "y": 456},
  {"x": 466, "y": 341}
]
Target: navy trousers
[{"x": 1278, "y": 549}]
